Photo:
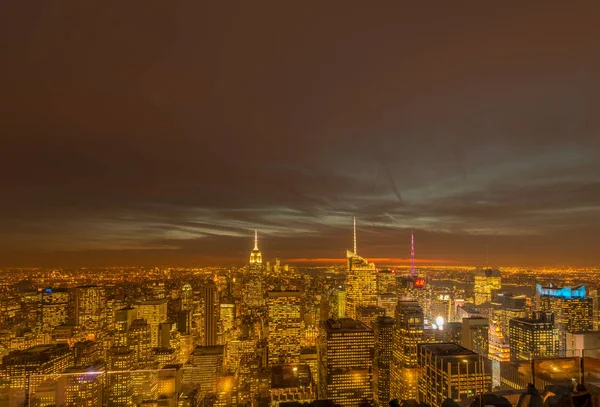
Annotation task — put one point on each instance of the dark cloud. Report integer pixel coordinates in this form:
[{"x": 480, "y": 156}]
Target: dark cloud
[{"x": 169, "y": 132}]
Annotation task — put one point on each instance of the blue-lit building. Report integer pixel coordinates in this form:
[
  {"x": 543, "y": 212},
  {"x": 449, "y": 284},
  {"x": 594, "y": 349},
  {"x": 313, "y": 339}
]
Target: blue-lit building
[{"x": 573, "y": 310}]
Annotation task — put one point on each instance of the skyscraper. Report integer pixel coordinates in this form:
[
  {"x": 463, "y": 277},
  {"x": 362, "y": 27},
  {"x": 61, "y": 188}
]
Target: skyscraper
[
  {"x": 383, "y": 329},
  {"x": 386, "y": 281},
  {"x": 53, "y": 308},
  {"x": 408, "y": 332},
  {"x": 573, "y": 310},
  {"x": 361, "y": 282},
  {"x": 345, "y": 350},
  {"x": 339, "y": 303},
  {"x": 284, "y": 327},
  {"x": 187, "y": 297},
  {"x": 532, "y": 337},
  {"x": 486, "y": 281},
  {"x": 255, "y": 254},
  {"x": 139, "y": 337},
  {"x": 90, "y": 303},
  {"x": 154, "y": 312},
  {"x": 120, "y": 380},
  {"x": 211, "y": 309}
]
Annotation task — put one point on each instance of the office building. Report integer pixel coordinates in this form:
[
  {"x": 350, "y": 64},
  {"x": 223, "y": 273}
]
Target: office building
[
  {"x": 211, "y": 313},
  {"x": 90, "y": 304},
  {"x": 81, "y": 387},
  {"x": 345, "y": 350},
  {"x": 448, "y": 370},
  {"x": 499, "y": 347},
  {"x": 486, "y": 282},
  {"x": 408, "y": 332},
  {"x": 361, "y": 282},
  {"x": 386, "y": 282},
  {"x": 573, "y": 310},
  {"x": 155, "y": 313},
  {"x": 187, "y": 298},
  {"x": 475, "y": 334},
  {"x": 339, "y": 303},
  {"x": 204, "y": 368},
  {"x": 388, "y": 302},
  {"x": 383, "y": 329},
  {"x": 139, "y": 337},
  {"x": 506, "y": 306},
  {"x": 54, "y": 308},
  {"x": 121, "y": 361},
  {"x": 284, "y": 327},
  {"x": 532, "y": 337}
]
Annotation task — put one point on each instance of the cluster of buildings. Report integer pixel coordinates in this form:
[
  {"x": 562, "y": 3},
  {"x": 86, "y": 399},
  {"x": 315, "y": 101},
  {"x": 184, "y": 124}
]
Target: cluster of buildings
[{"x": 269, "y": 335}]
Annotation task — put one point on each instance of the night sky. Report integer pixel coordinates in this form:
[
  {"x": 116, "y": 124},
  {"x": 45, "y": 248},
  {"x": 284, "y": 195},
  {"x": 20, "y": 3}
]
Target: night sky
[{"x": 152, "y": 133}]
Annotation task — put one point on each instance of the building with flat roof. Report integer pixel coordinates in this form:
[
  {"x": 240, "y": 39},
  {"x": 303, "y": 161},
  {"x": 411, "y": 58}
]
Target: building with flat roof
[
  {"x": 532, "y": 337},
  {"x": 345, "y": 350},
  {"x": 448, "y": 370}
]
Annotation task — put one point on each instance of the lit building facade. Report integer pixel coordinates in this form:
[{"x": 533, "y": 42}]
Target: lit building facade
[
  {"x": 383, "y": 329},
  {"x": 211, "y": 313},
  {"x": 255, "y": 254},
  {"x": 448, "y": 370},
  {"x": 573, "y": 310},
  {"x": 81, "y": 387},
  {"x": 120, "y": 380},
  {"x": 204, "y": 368},
  {"x": 408, "y": 332},
  {"x": 155, "y": 313},
  {"x": 386, "y": 281},
  {"x": 361, "y": 282},
  {"x": 345, "y": 350},
  {"x": 532, "y": 337},
  {"x": 339, "y": 303},
  {"x": 90, "y": 304},
  {"x": 475, "y": 334},
  {"x": 284, "y": 327},
  {"x": 486, "y": 281}
]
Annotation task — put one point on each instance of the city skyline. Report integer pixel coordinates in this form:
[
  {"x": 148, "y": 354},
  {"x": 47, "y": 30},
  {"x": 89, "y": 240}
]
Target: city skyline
[{"x": 165, "y": 136}]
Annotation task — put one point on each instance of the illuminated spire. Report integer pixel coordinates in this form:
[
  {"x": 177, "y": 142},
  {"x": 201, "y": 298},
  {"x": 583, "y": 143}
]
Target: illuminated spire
[
  {"x": 355, "y": 235},
  {"x": 255, "y": 239},
  {"x": 412, "y": 253}
]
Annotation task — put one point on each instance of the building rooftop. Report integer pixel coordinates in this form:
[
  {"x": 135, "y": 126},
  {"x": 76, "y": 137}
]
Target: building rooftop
[
  {"x": 345, "y": 325},
  {"x": 446, "y": 349},
  {"x": 290, "y": 376},
  {"x": 208, "y": 350}
]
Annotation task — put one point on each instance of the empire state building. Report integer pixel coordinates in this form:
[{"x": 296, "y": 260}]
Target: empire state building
[{"x": 255, "y": 254}]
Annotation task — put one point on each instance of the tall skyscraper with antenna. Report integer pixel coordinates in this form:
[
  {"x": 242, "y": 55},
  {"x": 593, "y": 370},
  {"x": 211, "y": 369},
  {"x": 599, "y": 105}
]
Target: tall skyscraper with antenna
[
  {"x": 412, "y": 253},
  {"x": 255, "y": 254},
  {"x": 361, "y": 281}
]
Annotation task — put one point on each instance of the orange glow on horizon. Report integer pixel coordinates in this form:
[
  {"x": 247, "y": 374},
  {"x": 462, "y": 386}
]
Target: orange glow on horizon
[{"x": 381, "y": 260}]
